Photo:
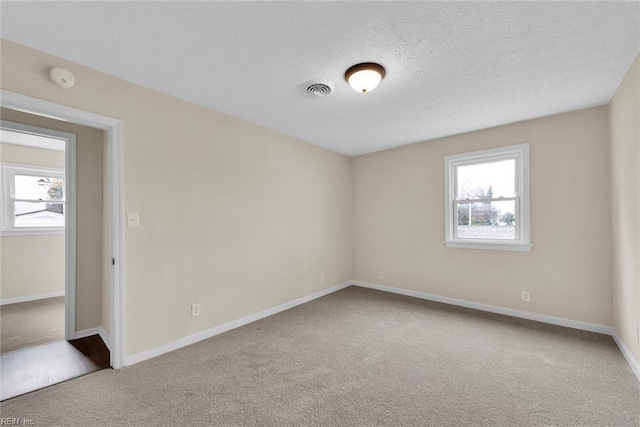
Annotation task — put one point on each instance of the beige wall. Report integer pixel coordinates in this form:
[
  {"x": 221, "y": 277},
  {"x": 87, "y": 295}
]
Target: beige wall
[
  {"x": 234, "y": 216},
  {"x": 399, "y": 221},
  {"x": 31, "y": 265},
  {"x": 89, "y": 144},
  {"x": 625, "y": 190},
  {"x": 13, "y": 153}
]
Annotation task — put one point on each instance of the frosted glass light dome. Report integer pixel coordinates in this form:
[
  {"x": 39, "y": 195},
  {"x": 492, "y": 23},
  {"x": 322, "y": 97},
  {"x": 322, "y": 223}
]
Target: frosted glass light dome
[{"x": 364, "y": 77}]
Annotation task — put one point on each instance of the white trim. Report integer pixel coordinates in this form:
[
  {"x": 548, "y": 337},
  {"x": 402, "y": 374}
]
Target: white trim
[
  {"x": 116, "y": 242},
  {"x": 497, "y": 246},
  {"x": 520, "y": 153},
  {"x": 10, "y": 233},
  {"x": 33, "y": 297},
  {"x": 567, "y": 323},
  {"x": 70, "y": 238},
  {"x": 95, "y": 331},
  {"x": 543, "y": 318},
  {"x": 203, "y": 335},
  {"x": 635, "y": 365},
  {"x": 559, "y": 321},
  {"x": 42, "y": 169},
  {"x": 113, "y": 129},
  {"x": 45, "y": 140}
]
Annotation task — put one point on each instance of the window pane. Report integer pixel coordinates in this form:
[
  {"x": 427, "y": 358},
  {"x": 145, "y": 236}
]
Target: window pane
[
  {"x": 39, "y": 214},
  {"x": 38, "y": 187},
  {"x": 491, "y": 220},
  {"x": 486, "y": 180}
]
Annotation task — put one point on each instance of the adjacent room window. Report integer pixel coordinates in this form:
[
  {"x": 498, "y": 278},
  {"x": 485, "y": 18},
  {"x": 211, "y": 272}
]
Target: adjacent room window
[
  {"x": 487, "y": 199},
  {"x": 33, "y": 199}
]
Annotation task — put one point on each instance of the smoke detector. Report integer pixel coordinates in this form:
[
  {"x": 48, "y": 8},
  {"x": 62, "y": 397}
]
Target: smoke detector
[
  {"x": 62, "y": 77},
  {"x": 319, "y": 88}
]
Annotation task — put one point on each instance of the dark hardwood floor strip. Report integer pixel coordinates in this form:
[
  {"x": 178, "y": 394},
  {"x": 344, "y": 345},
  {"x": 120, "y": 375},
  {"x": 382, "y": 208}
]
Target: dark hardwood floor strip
[
  {"x": 38, "y": 367},
  {"x": 94, "y": 348}
]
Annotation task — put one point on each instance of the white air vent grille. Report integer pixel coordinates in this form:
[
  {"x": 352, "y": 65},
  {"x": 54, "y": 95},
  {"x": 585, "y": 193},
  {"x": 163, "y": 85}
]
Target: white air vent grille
[{"x": 319, "y": 88}]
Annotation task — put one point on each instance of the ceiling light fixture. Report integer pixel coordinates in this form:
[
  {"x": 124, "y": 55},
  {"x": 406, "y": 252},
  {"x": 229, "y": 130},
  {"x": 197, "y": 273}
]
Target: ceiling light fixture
[{"x": 364, "y": 77}]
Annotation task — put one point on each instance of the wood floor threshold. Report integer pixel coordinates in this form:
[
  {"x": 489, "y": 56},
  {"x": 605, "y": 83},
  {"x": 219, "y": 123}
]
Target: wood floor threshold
[{"x": 34, "y": 368}]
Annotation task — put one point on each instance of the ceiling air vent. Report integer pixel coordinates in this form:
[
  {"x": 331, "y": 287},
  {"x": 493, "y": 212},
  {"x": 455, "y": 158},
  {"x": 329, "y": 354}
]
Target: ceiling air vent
[{"x": 319, "y": 88}]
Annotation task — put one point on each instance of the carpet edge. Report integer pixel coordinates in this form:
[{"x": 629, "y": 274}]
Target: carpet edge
[
  {"x": 544, "y": 318},
  {"x": 635, "y": 365},
  {"x": 225, "y": 327},
  {"x": 32, "y": 297}
]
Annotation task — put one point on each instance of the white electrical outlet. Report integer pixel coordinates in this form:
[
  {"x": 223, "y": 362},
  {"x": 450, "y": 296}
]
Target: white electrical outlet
[
  {"x": 526, "y": 296},
  {"x": 322, "y": 278},
  {"x": 195, "y": 310},
  {"x": 381, "y": 275}
]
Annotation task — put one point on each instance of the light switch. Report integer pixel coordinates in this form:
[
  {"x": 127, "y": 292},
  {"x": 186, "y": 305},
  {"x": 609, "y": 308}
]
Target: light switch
[{"x": 133, "y": 220}]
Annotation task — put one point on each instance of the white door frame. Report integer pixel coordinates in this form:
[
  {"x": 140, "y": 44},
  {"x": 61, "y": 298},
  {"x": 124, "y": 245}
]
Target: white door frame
[
  {"x": 113, "y": 130},
  {"x": 69, "y": 215}
]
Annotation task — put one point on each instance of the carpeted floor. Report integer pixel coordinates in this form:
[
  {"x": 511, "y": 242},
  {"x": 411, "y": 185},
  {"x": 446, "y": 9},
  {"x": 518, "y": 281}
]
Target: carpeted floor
[
  {"x": 361, "y": 357},
  {"x": 32, "y": 323}
]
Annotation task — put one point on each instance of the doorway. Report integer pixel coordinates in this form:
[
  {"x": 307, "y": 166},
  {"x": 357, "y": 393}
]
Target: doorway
[
  {"x": 52, "y": 242},
  {"x": 113, "y": 166},
  {"x": 37, "y": 225}
]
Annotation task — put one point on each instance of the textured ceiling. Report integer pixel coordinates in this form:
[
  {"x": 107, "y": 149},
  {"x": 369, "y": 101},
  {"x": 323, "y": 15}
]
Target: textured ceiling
[{"x": 452, "y": 67}]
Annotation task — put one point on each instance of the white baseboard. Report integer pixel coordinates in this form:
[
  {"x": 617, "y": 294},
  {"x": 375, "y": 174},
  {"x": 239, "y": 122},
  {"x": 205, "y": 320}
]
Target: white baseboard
[
  {"x": 567, "y": 323},
  {"x": 194, "y": 338},
  {"x": 95, "y": 331},
  {"x": 635, "y": 365},
  {"x": 28, "y": 298}
]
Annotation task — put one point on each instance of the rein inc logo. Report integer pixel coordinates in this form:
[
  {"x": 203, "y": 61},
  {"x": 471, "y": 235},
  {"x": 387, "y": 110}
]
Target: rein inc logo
[{"x": 16, "y": 422}]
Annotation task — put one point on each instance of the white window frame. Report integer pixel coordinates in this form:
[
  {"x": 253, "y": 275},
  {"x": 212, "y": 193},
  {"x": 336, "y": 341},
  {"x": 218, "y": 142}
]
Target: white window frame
[
  {"x": 520, "y": 153},
  {"x": 7, "y": 221}
]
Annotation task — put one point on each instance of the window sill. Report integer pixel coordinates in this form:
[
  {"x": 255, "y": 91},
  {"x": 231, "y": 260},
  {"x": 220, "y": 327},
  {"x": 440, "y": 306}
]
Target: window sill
[
  {"x": 31, "y": 232},
  {"x": 492, "y": 245}
]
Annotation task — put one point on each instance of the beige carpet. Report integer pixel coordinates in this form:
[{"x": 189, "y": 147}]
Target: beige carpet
[
  {"x": 361, "y": 357},
  {"x": 32, "y": 323}
]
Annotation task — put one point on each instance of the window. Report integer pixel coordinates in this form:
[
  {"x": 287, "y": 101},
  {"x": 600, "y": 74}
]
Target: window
[
  {"x": 33, "y": 199},
  {"x": 487, "y": 199}
]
